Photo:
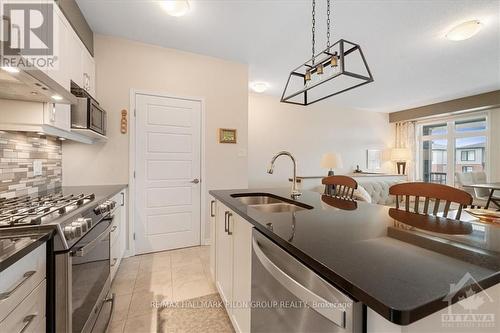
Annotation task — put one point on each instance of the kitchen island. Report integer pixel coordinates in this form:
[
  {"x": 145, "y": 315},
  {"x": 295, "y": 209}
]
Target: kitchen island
[{"x": 401, "y": 274}]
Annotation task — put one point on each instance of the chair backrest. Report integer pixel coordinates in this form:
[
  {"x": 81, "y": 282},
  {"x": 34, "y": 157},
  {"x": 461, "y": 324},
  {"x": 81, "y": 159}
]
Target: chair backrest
[
  {"x": 344, "y": 186},
  {"x": 437, "y": 192}
]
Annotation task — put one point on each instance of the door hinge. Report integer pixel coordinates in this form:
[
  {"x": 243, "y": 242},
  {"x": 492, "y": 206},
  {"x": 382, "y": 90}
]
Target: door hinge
[
  {"x": 134, "y": 235},
  {"x": 135, "y": 113},
  {"x": 134, "y": 174}
]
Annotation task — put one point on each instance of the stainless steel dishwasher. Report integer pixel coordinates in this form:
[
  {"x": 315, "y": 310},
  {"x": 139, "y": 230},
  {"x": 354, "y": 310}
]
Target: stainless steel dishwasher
[{"x": 289, "y": 297}]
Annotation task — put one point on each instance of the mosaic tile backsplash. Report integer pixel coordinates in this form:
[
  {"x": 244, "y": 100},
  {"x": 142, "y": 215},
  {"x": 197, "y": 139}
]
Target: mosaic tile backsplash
[{"x": 18, "y": 151}]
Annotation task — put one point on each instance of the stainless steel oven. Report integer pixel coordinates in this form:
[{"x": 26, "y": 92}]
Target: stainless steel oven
[
  {"x": 83, "y": 280},
  {"x": 87, "y": 114},
  {"x": 289, "y": 297}
]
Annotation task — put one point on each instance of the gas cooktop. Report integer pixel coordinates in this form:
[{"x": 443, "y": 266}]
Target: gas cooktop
[{"x": 35, "y": 210}]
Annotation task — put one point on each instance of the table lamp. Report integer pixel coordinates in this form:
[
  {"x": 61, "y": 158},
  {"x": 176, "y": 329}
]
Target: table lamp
[
  {"x": 400, "y": 156},
  {"x": 331, "y": 161}
]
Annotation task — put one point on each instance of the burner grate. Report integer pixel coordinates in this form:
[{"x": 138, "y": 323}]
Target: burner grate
[{"x": 28, "y": 210}]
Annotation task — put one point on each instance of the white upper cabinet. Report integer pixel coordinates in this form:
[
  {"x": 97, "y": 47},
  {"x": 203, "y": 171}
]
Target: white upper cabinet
[{"x": 88, "y": 72}]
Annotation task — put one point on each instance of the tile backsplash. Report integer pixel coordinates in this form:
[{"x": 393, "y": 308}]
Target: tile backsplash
[{"x": 18, "y": 151}]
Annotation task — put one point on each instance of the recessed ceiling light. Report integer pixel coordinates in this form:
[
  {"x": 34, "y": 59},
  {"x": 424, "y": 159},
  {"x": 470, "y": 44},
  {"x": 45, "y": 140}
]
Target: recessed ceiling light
[
  {"x": 56, "y": 97},
  {"x": 10, "y": 69},
  {"x": 175, "y": 7},
  {"x": 464, "y": 30},
  {"x": 259, "y": 87},
  {"x": 61, "y": 139}
]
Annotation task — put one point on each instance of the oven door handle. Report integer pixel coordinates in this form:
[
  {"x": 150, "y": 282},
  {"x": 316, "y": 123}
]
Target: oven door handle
[
  {"x": 90, "y": 245},
  {"x": 112, "y": 300}
]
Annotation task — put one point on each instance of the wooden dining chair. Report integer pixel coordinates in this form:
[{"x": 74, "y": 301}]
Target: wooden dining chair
[
  {"x": 342, "y": 186},
  {"x": 436, "y": 192}
]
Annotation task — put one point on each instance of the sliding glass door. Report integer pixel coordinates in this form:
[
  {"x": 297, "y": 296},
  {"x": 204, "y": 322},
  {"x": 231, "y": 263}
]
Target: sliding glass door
[{"x": 451, "y": 146}]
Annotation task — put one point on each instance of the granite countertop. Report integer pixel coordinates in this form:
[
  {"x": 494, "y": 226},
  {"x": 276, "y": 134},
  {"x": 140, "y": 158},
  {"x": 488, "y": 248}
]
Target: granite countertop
[
  {"x": 401, "y": 273},
  {"x": 15, "y": 245}
]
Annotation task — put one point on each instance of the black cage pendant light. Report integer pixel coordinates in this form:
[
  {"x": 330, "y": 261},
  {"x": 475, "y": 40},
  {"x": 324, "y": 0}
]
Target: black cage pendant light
[{"x": 338, "y": 68}]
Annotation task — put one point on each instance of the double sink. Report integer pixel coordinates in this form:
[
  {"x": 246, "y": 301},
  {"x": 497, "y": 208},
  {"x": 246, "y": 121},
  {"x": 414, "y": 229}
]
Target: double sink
[{"x": 269, "y": 203}]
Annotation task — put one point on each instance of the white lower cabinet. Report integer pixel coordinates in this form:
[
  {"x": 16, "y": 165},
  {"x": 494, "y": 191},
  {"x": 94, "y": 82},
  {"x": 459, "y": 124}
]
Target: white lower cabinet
[
  {"x": 212, "y": 209},
  {"x": 118, "y": 234},
  {"x": 22, "y": 294},
  {"x": 233, "y": 263}
]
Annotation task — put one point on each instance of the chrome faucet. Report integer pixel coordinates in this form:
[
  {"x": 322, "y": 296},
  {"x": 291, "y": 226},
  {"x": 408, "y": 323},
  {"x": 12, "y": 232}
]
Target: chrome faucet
[{"x": 295, "y": 192}]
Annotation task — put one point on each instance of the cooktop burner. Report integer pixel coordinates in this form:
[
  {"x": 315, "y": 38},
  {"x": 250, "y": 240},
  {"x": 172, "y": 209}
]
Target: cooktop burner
[{"x": 29, "y": 210}]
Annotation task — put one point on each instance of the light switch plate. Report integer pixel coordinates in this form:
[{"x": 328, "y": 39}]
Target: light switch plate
[{"x": 37, "y": 168}]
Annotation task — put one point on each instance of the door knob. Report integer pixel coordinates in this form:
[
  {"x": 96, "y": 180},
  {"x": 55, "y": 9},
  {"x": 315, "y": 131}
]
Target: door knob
[{"x": 195, "y": 181}]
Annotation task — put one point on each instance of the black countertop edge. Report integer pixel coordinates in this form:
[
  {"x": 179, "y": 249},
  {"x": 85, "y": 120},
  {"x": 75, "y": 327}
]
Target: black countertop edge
[
  {"x": 41, "y": 238},
  {"x": 401, "y": 317}
]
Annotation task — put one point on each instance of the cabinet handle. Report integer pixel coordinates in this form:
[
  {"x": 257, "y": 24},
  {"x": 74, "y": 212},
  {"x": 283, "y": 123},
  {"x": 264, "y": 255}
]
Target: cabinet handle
[
  {"x": 123, "y": 198},
  {"x": 225, "y": 221},
  {"x": 229, "y": 215},
  {"x": 27, "y": 322},
  {"x": 212, "y": 210},
  {"x": 25, "y": 278},
  {"x": 114, "y": 228}
]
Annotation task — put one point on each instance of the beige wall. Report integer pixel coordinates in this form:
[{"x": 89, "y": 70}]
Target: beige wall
[
  {"x": 122, "y": 65},
  {"x": 308, "y": 132}
]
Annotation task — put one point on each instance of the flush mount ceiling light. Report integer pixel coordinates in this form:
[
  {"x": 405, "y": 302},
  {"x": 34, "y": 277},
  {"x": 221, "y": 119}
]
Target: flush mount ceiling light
[
  {"x": 338, "y": 68},
  {"x": 259, "y": 87},
  {"x": 464, "y": 30},
  {"x": 175, "y": 7},
  {"x": 56, "y": 97}
]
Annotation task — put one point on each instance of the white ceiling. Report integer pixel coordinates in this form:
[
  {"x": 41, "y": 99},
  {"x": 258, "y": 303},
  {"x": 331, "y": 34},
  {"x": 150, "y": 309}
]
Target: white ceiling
[{"x": 403, "y": 41}]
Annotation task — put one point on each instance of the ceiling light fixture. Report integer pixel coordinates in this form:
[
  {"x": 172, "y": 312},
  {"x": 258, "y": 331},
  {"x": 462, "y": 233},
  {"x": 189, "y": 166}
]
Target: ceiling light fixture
[
  {"x": 175, "y": 7},
  {"x": 338, "y": 68},
  {"x": 10, "y": 69},
  {"x": 259, "y": 87},
  {"x": 464, "y": 30},
  {"x": 56, "y": 97}
]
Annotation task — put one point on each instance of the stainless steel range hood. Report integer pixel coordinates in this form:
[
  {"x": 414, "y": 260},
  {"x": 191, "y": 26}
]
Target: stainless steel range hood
[{"x": 31, "y": 84}]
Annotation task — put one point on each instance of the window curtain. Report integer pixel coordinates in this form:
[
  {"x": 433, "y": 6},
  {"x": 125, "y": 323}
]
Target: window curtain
[{"x": 405, "y": 138}]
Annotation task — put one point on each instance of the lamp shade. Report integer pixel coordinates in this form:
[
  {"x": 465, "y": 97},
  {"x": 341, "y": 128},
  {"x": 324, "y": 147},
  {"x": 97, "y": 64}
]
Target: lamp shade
[
  {"x": 400, "y": 154},
  {"x": 331, "y": 161}
]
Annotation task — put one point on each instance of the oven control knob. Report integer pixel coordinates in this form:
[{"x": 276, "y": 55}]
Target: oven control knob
[
  {"x": 88, "y": 221},
  {"x": 81, "y": 223},
  {"x": 69, "y": 232},
  {"x": 78, "y": 228},
  {"x": 112, "y": 204}
]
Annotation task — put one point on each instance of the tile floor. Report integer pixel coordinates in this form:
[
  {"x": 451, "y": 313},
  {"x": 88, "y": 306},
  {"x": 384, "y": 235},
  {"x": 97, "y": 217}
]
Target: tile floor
[{"x": 163, "y": 276}]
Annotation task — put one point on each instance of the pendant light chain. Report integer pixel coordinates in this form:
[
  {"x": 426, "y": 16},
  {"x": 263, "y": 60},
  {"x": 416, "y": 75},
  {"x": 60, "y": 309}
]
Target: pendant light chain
[
  {"x": 328, "y": 24},
  {"x": 313, "y": 28}
]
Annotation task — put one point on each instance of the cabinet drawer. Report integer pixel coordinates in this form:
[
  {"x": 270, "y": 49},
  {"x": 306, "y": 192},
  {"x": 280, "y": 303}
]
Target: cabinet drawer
[
  {"x": 115, "y": 230},
  {"x": 115, "y": 258},
  {"x": 17, "y": 281},
  {"x": 28, "y": 316}
]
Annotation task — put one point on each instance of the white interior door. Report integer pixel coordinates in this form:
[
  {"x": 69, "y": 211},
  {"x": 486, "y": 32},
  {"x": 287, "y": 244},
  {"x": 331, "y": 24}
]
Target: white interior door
[{"x": 167, "y": 166}]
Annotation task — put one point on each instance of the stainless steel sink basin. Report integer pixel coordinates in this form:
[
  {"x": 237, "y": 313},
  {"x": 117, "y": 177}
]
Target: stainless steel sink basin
[
  {"x": 269, "y": 203},
  {"x": 277, "y": 208},
  {"x": 258, "y": 200}
]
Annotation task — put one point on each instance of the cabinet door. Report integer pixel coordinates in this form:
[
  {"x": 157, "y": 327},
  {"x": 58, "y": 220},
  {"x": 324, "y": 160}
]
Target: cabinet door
[
  {"x": 242, "y": 272},
  {"x": 212, "y": 210},
  {"x": 88, "y": 72},
  {"x": 124, "y": 222},
  {"x": 60, "y": 72},
  {"x": 224, "y": 249},
  {"x": 75, "y": 58}
]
